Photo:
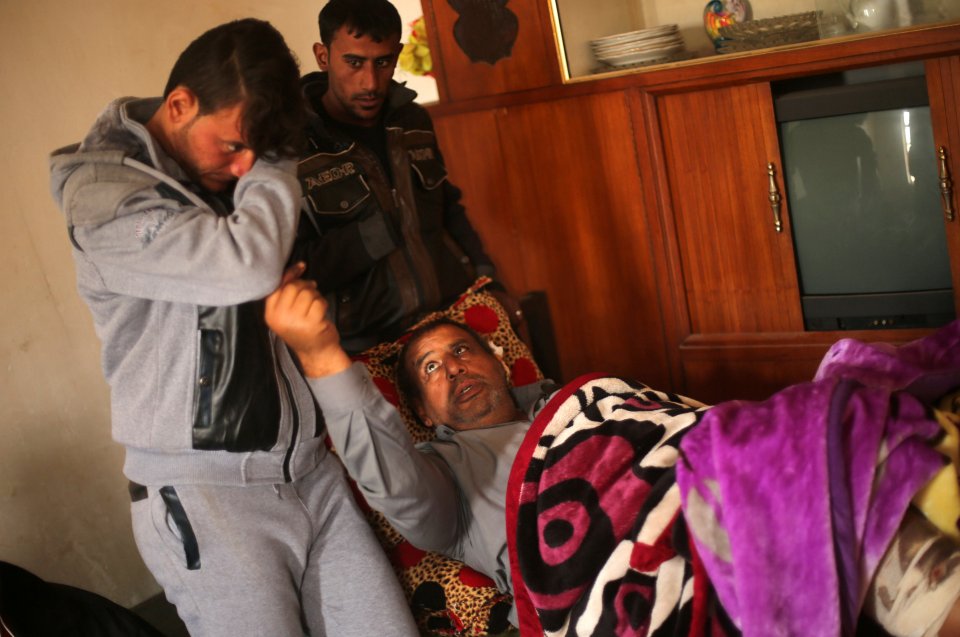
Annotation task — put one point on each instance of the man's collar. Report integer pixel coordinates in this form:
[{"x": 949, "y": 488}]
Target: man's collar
[
  {"x": 134, "y": 114},
  {"x": 445, "y": 433}
]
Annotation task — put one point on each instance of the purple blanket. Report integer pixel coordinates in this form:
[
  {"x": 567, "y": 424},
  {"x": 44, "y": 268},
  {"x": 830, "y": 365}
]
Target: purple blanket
[{"x": 791, "y": 502}]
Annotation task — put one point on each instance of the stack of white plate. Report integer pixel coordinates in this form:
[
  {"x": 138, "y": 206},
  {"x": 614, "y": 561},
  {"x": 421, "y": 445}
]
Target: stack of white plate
[{"x": 635, "y": 47}]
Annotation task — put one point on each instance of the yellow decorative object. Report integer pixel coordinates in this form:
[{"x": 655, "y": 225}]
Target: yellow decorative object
[
  {"x": 939, "y": 500},
  {"x": 415, "y": 56}
]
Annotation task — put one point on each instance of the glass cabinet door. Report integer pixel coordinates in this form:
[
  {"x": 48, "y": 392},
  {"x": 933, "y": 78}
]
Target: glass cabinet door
[{"x": 616, "y": 36}]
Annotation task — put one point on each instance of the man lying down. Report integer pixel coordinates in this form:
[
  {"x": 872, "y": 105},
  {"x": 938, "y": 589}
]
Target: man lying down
[{"x": 631, "y": 511}]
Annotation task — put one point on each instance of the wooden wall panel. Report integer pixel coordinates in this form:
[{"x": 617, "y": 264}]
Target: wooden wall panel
[
  {"x": 713, "y": 375},
  {"x": 754, "y": 366},
  {"x": 533, "y": 61},
  {"x": 471, "y": 149},
  {"x": 577, "y": 206}
]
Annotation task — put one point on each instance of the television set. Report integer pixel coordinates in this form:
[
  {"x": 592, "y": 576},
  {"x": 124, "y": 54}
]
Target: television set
[{"x": 860, "y": 175}]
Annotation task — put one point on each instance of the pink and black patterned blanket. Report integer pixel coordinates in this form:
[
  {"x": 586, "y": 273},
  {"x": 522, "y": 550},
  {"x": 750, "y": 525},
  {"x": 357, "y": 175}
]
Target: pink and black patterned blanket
[{"x": 597, "y": 542}]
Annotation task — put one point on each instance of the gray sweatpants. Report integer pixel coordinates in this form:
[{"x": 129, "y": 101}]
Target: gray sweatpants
[{"x": 279, "y": 560}]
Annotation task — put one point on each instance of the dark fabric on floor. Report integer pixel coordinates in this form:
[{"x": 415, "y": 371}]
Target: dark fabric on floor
[{"x": 31, "y": 607}]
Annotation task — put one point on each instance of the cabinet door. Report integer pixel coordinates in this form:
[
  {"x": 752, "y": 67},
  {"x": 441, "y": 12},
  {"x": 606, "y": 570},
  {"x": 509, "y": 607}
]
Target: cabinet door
[
  {"x": 471, "y": 148},
  {"x": 738, "y": 270},
  {"x": 561, "y": 210},
  {"x": 576, "y": 201},
  {"x": 943, "y": 86}
]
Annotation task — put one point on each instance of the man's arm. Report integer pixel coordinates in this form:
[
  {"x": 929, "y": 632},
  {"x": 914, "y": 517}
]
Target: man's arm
[
  {"x": 413, "y": 489},
  {"x": 158, "y": 246},
  {"x": 458, "y": 226}
]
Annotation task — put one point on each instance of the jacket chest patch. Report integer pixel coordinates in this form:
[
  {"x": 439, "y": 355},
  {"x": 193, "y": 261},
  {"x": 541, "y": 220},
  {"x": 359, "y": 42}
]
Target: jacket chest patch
[
  {"x": 333, "y": 190},
  {"x": 421, "y": 154},
  {"x": 330, "y": 175}
]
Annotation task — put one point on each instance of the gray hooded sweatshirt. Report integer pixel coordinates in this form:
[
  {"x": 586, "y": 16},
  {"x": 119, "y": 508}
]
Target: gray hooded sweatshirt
[{"x": 201, "y": 391}]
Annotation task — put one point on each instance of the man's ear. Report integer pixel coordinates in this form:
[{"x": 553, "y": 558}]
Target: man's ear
[
  {"x": 418, "y": 409},
  {"x": 497, "y": 351},
  {"x": 182, "y": 105},
  {"x": 322, "y": 54}
]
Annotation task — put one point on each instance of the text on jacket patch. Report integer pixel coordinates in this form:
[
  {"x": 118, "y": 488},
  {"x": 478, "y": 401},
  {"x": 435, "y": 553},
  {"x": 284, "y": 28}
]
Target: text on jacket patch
[
  {"x": 331, "y": 174},
  {"x": 420, "y": 154}
]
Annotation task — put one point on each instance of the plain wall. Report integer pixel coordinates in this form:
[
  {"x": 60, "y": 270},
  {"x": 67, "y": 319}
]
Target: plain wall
[{"x": 64, "y": 509}]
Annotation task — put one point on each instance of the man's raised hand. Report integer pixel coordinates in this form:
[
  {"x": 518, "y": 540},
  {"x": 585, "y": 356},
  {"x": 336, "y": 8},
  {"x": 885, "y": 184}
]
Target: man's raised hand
[{"x": 296, "y": 312}]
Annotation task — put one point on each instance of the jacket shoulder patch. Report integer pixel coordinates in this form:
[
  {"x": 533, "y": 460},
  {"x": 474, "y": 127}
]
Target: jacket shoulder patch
[{"x": 94, "y": 192}]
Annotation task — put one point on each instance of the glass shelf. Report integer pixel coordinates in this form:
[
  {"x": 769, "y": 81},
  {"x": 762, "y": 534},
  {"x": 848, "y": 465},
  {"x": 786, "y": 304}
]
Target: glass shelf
[{"x": 578, "y": 25}]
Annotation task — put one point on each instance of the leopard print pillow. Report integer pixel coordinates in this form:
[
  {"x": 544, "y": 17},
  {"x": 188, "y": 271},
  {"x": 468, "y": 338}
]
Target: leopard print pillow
[{"x": 448, "y": 597}]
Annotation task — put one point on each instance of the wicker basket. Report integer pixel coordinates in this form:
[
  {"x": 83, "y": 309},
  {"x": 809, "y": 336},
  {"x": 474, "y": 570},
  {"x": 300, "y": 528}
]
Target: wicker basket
[{"x": 760, "y": 34}]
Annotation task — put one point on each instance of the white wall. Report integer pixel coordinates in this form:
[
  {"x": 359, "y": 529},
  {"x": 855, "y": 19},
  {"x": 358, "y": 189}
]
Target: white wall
[
  {"x": 424, "y": 85},
  {"x": 64, "y": 512}
]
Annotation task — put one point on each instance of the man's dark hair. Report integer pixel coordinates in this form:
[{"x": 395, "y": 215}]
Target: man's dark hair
[
  {"x": 406, "y": 379},
  {"x": 246, "y": 61},
  {"x": 376, "y": 18}
]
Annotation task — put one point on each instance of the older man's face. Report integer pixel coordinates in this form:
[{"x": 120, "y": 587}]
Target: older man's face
[{"x": 461, "y": 384}]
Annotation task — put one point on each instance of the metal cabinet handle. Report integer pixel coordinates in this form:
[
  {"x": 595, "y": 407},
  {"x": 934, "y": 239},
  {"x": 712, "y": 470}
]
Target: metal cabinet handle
[
  {"x": 774, "y": 197},
  {"x": 946, "y": 185}
]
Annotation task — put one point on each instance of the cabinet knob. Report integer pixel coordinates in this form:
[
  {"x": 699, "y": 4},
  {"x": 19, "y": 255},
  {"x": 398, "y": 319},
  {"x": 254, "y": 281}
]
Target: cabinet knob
[
  {"x": 946, "y": 185},
  {"x": 774, "y": 197}
]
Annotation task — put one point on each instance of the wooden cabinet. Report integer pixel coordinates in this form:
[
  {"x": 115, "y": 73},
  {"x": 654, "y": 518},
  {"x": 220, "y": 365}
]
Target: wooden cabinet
[
  {"x": 642, "y": 204},
  {"x": 738, "y": 275}
]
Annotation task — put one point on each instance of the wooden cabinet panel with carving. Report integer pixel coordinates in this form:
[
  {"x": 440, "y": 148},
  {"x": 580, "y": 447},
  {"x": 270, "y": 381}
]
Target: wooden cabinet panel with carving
[{"x": 491, "y": 48}]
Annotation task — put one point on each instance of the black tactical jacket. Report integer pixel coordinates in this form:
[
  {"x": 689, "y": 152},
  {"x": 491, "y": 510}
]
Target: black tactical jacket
[{"x": 385, "y": 244}]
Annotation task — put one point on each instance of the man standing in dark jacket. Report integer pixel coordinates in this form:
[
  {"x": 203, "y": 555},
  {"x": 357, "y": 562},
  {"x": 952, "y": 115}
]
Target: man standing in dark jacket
[{"x": 382, "y": 230}]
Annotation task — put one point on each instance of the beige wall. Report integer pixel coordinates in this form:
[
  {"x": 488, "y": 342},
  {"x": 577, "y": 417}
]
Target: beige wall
[{"x": 63, "y": 504}]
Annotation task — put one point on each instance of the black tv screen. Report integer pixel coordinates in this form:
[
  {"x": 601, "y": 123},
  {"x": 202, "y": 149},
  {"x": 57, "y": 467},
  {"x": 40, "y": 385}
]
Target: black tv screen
[{"x": 861, "y": 181}]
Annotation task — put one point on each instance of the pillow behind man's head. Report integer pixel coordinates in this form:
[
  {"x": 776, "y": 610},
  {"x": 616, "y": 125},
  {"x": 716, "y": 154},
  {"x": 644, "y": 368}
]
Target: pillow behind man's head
[{"x": 480, "y": 310}]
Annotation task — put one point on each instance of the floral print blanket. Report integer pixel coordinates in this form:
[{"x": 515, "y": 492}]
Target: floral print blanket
[{"x": 597, "y": 542}]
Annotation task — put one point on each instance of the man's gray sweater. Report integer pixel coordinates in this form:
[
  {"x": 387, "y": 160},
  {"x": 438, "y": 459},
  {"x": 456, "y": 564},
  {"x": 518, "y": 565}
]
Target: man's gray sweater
[{"x": 172, "y": 278}]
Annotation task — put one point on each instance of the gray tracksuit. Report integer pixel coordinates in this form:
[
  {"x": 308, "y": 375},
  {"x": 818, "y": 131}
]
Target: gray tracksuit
[
  {"x": 200, "y": 391},
  {"x": 246, "y": 520}
]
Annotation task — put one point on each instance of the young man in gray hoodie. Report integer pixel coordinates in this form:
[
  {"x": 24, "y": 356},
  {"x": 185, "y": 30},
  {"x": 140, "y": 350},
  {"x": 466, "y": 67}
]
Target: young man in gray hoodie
[{"x": 182, "y": 212}]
